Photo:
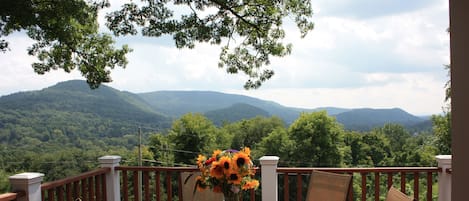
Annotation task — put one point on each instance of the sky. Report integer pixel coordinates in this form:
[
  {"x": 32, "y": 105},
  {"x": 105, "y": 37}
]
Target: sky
[{"x": 361, "y": 53}]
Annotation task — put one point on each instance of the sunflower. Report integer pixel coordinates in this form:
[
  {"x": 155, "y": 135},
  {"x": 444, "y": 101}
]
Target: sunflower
[
  {"x": 225, "y": 162},
  {"x": 247, "y": 150},
  {"x": 217, "y": 170},
  {"x": 234, "y": 178},
  {"x": 216, "y": 153},
  {"x": 200, "y": 183},
  {"x": 226, "y": 171},
  {"x": 252, "y": 184},
  {"x": 241, "y": 159},
  {"x": 200, "y": 160}
]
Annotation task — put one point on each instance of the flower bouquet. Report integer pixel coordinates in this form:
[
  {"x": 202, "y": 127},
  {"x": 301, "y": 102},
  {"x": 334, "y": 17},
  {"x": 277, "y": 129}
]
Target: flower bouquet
[{"x": 227, "y": 172}]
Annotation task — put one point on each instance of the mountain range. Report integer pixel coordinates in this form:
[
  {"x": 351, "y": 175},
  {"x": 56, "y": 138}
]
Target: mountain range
[{"x": 159, "y": 108}]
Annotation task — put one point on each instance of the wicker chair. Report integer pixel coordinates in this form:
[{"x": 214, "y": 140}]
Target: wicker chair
[
  {"x": 396, "y": 195},
  {"x": 326, "y": 186}
]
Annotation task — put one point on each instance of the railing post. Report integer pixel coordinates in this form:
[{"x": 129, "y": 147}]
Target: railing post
[
  {"x": 269, "y": 178},
  {"x": 112, "y": 178},
  {"x": 30, "y": 183},
  {"x": 444, "y": 178}
]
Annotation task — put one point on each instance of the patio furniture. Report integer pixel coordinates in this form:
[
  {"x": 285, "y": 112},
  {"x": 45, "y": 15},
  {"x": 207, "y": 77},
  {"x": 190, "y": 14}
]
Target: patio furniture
[
  {"x": 396, "y": 195},
  {"x": 327, "y": 186}
]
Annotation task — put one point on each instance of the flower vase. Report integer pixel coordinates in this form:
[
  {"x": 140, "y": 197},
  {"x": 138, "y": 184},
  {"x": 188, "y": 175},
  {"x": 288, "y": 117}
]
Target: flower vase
[{"x": 231, "y": 196}]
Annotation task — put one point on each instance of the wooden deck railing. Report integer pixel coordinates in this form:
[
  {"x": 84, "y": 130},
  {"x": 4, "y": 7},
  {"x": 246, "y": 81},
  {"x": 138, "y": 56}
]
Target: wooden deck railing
[
  {"x": 168, "y": 180},
  {"x": 375, "y": 180},
  {"x": 292, "y": 182},
  {"x": 11, "y": 196},
  {"x": 116, "y": 182},
  {"x": 89, "y": 186}
]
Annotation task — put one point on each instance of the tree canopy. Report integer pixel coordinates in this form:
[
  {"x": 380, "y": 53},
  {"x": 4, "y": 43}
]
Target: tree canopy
[
  {"x": 319, "y": 136},
  {"x": 67, "y": 35},
  {"x": 256, "y": 23}
]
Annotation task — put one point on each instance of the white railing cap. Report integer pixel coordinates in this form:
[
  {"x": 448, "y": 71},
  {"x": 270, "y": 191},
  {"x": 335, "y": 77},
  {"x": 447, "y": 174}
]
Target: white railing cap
[
  {"x": 110, "y": 159},
  {"x": 443, "y": 157},
  {"x": 26, "y": 177},
  {"x": 269, "y": 160}
]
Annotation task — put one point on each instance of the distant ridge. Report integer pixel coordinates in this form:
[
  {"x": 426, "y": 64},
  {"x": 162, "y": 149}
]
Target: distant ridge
[
  {"x": 159, "y": 108},
  {"x": 177, "y": 103},
  {"x": 355, "y": 119}
]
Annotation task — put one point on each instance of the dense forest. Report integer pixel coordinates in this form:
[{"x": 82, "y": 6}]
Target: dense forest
[
  {"x": 313, "y": 140},
  {"x": 62, "y": 130}
]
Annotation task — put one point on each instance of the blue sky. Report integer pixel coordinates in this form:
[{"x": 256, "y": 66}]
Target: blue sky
[{"x": 362, "y": 53}]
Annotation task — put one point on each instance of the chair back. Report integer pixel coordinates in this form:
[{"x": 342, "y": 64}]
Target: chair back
[
  {"x": 327, "y": 186},
  {"x": 397, "y": 195}
]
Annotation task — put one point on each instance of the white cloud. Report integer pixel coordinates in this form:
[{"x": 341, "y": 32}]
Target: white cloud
[
  {"x": 17, "y": 72},
  {"x": 415, "y": 93},
  {"x": 365, "y": 9},
  {"x": 361, "y": 54}
]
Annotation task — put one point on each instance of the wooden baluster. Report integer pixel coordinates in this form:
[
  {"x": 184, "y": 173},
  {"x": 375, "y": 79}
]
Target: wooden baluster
[
  {"x": 416, "y": 186},
  {"x": 286, "y": 187},
  {"x": 168, "y": 186},
  {"x": 136, "y": 190},
  {"x": 157, "y": 186},
  {"x": 146, "y": 184},
  {"x": 103, "y": 187},
  {"x": 180, "y": 186},
  {"x": 97, "y": 189},
  {"x": 84, "y": 191},
  {"x": 299, "y": 186},
  {"x": 376, "y": 186},
  {"x": 253, "y": 195},
  {"x": 125, "y": 185},
  {"x": 390, "y": 175},
  {"x": 363, "y": 186},
  {"x": 429, "y": 185},
  {"x": 76, "y": 190},
  {"x": 68, "y": 192},
  {"x": 403, "y": 182},
  {"x": 50, "y": 195},
  {"x": 60, "y": 192},
  {"x": 90, "y": 189}
]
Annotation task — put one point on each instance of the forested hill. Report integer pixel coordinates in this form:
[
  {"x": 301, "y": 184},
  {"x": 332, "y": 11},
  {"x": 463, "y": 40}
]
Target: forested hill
[
  {"x": 73, "y": 103},
  {"x": 354, "y": 119},
  {"x": 122, "y": 111}
]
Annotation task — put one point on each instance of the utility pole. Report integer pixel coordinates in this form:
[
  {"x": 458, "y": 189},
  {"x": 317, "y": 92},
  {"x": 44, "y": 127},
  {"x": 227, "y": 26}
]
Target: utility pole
[{"x": 139, "y": 146}]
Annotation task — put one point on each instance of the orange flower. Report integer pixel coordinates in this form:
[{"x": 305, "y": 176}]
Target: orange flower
[
  {"x": 241, "y": 159},
  {"x": 234, "y": 178},
  {"x": 247, "y": 150},
  {"x": 225, "y": 162},
  {"x": 253, "y": 184},
  {"x": 200, "y": 160},
  {"x": 216, "y": 153},
  {"x": 201, "y": 185},
  {"x": 216, "y": 170},
  {"x": 223, "y": 171}
]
